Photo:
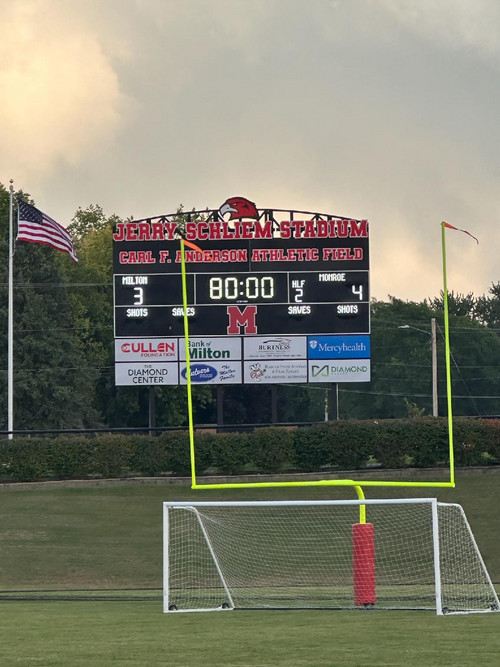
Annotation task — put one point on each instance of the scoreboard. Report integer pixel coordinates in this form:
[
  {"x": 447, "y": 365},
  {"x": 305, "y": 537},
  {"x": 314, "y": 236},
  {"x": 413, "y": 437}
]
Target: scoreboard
[{"x": 268, "y": 300}]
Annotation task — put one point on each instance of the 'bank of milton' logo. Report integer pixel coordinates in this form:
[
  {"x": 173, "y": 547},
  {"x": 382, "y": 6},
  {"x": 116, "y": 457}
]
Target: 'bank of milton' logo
[{"x": 239, "y": 207}]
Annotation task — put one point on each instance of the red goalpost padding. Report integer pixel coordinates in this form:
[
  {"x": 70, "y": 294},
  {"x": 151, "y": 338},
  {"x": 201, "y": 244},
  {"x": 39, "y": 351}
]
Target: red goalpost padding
[{"x": 363, "y": 563}]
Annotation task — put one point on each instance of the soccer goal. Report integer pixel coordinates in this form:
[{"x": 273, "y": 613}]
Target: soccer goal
[{"x": 347, "y": 554}]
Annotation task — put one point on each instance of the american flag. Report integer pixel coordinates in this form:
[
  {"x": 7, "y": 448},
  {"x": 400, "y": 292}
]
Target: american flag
[{"x": 37, "y": 227}]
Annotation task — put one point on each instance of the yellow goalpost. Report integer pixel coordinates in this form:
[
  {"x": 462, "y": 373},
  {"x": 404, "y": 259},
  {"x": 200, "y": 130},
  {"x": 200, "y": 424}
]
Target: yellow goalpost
[{"x": 356, "y": 484}]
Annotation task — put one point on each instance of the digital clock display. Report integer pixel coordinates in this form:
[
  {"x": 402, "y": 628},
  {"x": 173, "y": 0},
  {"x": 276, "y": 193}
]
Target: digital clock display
[{"x": 241, "y": 288}]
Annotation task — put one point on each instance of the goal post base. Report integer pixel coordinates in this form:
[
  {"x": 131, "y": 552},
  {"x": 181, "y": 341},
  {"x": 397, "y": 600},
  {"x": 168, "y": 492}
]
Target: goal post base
[{"x": 363, "y": 564}]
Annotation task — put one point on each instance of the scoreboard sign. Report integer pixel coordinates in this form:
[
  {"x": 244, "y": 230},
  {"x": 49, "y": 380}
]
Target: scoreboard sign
[{"x": 273, "y": 296}]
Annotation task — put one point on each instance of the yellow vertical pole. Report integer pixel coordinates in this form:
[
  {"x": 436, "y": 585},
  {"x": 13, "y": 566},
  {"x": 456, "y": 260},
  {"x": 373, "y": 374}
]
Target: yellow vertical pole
[
  {"x": 188, "y": 368},
  {"x": 447, "y": 355},
  {"x": 362, "y": 508}
]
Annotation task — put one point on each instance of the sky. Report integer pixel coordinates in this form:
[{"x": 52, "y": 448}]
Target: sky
[{"x": 386, "y": 110}]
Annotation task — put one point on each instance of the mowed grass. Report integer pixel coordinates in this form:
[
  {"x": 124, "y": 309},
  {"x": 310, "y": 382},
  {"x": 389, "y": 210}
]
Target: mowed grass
[
  {"x": 136, "y": 633},
  {"x": 109, "y": 537}
]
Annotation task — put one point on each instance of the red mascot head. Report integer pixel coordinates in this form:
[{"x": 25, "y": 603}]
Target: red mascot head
[{"x": 239, "y": 207}]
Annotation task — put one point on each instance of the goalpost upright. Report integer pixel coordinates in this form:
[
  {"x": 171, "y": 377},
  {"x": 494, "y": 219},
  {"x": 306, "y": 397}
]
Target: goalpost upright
[
  {"x": 362, "y": 532},
  {"x": 326, "y": 482}
]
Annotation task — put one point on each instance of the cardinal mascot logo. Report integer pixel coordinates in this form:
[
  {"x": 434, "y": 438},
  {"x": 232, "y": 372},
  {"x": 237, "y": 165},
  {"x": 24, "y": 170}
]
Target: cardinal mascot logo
[{"x": 239, "y": 207}]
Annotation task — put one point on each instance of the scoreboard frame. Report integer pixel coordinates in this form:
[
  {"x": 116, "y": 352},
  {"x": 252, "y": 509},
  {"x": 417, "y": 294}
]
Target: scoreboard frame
[{"x": 283, "y": 275}]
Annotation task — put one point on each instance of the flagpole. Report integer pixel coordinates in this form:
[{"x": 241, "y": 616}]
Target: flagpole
[{"x": 10, "y": 324}]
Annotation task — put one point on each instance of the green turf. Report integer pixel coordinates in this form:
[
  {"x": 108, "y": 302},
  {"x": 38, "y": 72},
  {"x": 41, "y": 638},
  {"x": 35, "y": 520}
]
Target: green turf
[
  {"x": 128, "y": 633},
  {"x": 109, "y": 538}
]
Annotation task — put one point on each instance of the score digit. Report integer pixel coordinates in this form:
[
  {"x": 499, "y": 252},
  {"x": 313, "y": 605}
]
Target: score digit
[
  {"x": 138, "y": 296},
  {"x": 358, "y": 291},
  {"x": 215, "y": 287}
]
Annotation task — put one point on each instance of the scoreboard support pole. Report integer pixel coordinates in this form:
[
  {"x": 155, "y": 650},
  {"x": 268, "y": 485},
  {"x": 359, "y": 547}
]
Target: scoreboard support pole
[
  {"x": 152, "y": 408},
  {"x": 220, "y": 405}
]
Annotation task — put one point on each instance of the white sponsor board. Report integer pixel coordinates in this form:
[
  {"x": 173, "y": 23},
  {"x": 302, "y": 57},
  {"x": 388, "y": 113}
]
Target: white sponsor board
[
  {"x": 339, "y": 370},
  {"x": 275, "y": 347},
  {"x": 211, "y": 349},
  {"x": 213, "y": 372},
  {"x": 156, "y": 373},
  {"x": 143, "y": 349},
  {"x": 274, "y": 372}
]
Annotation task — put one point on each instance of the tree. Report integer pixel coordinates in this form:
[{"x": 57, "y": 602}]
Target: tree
[
  {"x": 488, "y": 308},
  {"x": 92, "y": 306},
  {"x": 402, "y": 366}
]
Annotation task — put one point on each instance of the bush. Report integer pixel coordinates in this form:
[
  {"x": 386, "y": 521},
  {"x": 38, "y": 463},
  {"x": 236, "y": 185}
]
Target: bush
[
  {"x": 349, "y": 444},
  {"x": 271, "y": 448},
  {"x": 229, "y": 452},
  {"x": 110, "y": 455},
  {"x": 25, "y": 459},
  {"x": 311, "y": 447},
  {"x": 344, "y": 444},
  {"x": 70, "y": 457},
  {"x": 149, "y": 455},
  {"x": 470, "y": 442},
  {"x": 492, "y": 434},
  {"x": 428, "y": 442},
  {"x": 390, "y": 444},
  {"x": 177, "y": 454}
]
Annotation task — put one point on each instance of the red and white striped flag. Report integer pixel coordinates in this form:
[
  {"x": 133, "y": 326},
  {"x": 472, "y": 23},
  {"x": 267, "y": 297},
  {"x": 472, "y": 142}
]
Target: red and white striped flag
[
  {"x": 37, "y": 227},
  {"x": 447, "y": 224}
]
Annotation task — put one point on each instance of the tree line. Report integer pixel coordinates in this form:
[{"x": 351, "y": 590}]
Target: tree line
[{"x": 64, "y": 368}]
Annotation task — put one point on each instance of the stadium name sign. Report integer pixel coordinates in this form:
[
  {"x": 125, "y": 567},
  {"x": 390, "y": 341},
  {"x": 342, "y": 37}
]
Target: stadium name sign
[{"x": 268, "y": 292}]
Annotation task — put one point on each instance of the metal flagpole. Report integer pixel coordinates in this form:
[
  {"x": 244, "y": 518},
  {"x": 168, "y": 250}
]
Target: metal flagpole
[{"x": 10, "y": 325}]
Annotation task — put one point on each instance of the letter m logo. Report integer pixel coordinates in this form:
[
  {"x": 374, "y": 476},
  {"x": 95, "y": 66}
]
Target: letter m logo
[{"x": 239, "y": 320}]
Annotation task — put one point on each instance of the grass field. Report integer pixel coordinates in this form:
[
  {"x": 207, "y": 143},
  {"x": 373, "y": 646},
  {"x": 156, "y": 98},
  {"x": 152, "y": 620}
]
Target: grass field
[
  {"x": 109, "y": 538},
  {"x": 136, "y": 633}
]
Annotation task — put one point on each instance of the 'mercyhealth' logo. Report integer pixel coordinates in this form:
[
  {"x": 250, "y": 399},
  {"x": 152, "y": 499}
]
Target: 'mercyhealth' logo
[{"x": 338, "y": 347}]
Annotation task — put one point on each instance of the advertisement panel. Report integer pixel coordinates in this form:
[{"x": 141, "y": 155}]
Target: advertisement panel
[
  {"x": 216, "y": 372},
  {"x": 275, "y": 347},
  {"x": 275, "y": 372},
  {"x": 347, "y": 370},
  {"x": 338, "y": 347},
  {"x": 211, "y": 349},
  {"x": 142, "y": 349},
  {"x": 157, "y": 373}
]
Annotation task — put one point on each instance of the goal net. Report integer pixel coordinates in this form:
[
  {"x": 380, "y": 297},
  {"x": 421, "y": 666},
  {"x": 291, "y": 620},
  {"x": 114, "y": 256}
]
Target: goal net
[{"x": 383, "y": 554}]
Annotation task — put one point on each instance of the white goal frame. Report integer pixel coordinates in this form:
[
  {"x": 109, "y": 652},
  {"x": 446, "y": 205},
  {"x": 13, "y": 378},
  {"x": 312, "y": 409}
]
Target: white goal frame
[{"x": 436, "y": 516}]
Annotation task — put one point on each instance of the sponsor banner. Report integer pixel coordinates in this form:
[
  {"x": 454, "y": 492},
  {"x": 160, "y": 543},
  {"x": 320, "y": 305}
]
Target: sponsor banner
[
  {"x": 216, "y": 372},
  {"x": 274, "y": 372},
  {"x": 338, "y": 347},
  {"x": 275, "y": 347},
  {"x": 142, "y": 349},
  {"x": 333, "y": 370},
  {"x": 162, "y": 374},
  {"x": 211, "y": 349}
]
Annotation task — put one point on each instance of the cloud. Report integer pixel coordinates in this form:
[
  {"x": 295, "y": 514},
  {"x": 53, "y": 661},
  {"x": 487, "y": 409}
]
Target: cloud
[
  {"x": 61, "y": 100},
  {"x": 455, "y": 24}
]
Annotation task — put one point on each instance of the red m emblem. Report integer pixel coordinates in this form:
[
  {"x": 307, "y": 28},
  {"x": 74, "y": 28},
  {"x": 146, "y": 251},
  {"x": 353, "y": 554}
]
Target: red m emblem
[{"x": 245, "y": 319}]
